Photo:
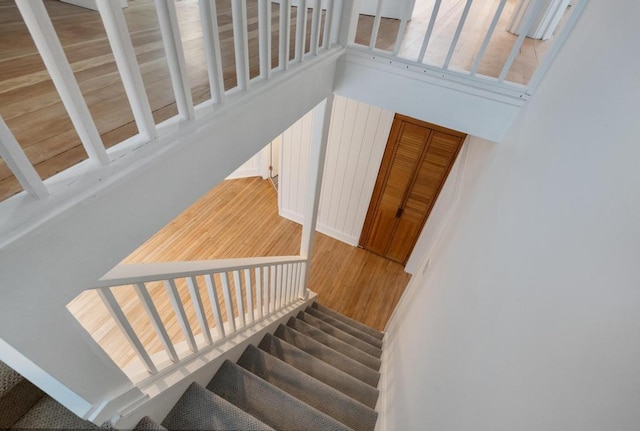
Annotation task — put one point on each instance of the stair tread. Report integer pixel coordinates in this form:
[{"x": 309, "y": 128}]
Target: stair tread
[
  {"x": 201, "y": 409},
  {"x": 361, "y": 326},
  {"x": 328, "y": 355},
  {"x": 334, "y": 343},
  {"x": 349, "y": 329},
  {"x": 269, "y": 404},
  {"x": 47, "y": 413},
  {"x": 309, "y": 364},
  {"x": 17, "y": 396},
  {"x": 308, "y": 389},
  {"x": 148, "y": 424},
  {"x": 340, "y": 334}
]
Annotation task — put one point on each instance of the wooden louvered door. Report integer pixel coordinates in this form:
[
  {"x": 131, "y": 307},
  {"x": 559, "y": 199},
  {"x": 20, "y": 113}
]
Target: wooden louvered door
[{"x": 415, "y": 165}]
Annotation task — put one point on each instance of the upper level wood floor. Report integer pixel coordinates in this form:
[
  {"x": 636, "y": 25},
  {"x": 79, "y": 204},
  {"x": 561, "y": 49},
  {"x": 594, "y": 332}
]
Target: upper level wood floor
[
  {"x": 239, "y": 218},
  {"x": 30, "y": 105}
]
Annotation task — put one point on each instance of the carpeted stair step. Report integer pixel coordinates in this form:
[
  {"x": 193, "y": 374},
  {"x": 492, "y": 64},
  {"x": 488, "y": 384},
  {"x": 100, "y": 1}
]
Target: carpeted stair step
[
  {"x": 148, "y": 424},
  {"x": 48, "y": 414},
  {"x": 201, "y": 409},
  {"x": 340, "y": 334},
  {"x": 267, "y": 403},
  {"x": 324, "y": 398},
  {"x": 351, "y": 330},
  {"x": 337, "y": 379},
  {"x": 338, "y": 345},
  {"x": 17, "y": 396},
  {"x": 364, "y": 328},
  {"x": 328, "y": 355}
]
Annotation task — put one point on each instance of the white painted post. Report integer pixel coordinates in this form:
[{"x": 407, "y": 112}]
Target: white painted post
[
  {"x": 258, "y": 275},
  {"x": 249, "y": 292},
  {"x": 285, "y": 32},
  {"x": 264, "y": 39},
  {"x": 118, "y": 34},
  {"x": 427, "y": 35},
  {"x": 37, "y": 20},
  {"x": 168, "y": 20},
  {"x": 215, "y": 304},
  {"x": 15, "y": 158},
  {"x": 273, "y": 296},
  {"x": 317, "y": 154},
  {"x": 156, "y": 321},
  {"x": 209, "y": 20},
  {"x": 301, "y": 30},
  {"x": 241, "y": 42}
]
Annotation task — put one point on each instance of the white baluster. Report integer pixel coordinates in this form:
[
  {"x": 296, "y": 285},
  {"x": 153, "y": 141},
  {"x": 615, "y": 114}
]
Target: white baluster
[
  {"x": 301, "y": 30},
  {"x": 249, "y": 293},
  {"x": 37, "y": 20},
  {"x": 328, "y": 24},
  {"x": 209, "y": 20},
  {"x": 239, "y": 302},
  {"x": 427, "y": 36},
  {"x": 176, "y": 302},
  {"x": 170, "y": 30},
  {"x": 215, "y": 304},
  {"x": 285, "y": 32},
  {"x": 264, "y": 42},
  {"x": 273, "y": 290},
  {"x": 316, "y": 15},
  {"x": 454, "y": 42},
  {"x": 224, "y": 277},
  {"x": 240, "y": 42},
  {"x": 123, "y": 323},
  {"x": 117, "y": 31},
  {"x": 487, "y": 38},
  {"x": 156, "y": 321},
  {"x": 258, "y": 275},
  {"x": 196, "y": 300},
  {"x": 376, "y": 25}
]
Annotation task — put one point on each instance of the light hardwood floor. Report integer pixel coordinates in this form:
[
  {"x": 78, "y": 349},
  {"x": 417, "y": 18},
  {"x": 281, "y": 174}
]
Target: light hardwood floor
[
  {"x": 239, "y": 218},
  {"x": 33, "y": 111}
]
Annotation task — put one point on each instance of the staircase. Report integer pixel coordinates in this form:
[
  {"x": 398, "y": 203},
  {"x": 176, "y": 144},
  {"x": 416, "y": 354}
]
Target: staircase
[{"x": 319, "y": 372}]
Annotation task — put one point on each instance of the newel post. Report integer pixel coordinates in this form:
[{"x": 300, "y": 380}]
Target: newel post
[{"x": 317, "y": 153}]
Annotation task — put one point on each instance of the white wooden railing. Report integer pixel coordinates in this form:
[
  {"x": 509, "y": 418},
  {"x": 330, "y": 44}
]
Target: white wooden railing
[
  {"x": 324, "y": 35},
  {"x": 240, "y": 293},
  {"x": 528, "y": 12}
]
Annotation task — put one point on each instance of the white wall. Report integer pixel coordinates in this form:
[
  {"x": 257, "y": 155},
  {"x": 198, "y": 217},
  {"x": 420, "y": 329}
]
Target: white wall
[
  {"x": 357, "y": 138},
  {"x": 256, "y": 166},
  {"x": 527, "y": 317}
]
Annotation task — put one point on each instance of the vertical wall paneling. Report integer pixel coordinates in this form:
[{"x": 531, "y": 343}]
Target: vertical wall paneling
[{"x": 357, "y": 138}]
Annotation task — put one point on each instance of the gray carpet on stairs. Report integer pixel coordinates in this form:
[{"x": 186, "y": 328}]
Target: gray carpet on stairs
[
  {"x": 344, "y": 327},
  {"x": 340, "y": 334},
  {"x": 201, "y": 409},
  {"x": 337, "y": 379},
  {"x": 17, "y": 396},
  {"x": 334, "y": 343},
  {"x": 48, "y": 414},
  {"x": 354, "y": 323},
  {"x": 308, "y": 389},
  {"x": 328, "y": 355},
  {"x": 147, "y": 424},
  {"x": 268, "y": 403}
]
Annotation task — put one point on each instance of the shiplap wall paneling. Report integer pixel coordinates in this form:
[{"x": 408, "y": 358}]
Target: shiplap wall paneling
[{"x": 357, "y": 138}]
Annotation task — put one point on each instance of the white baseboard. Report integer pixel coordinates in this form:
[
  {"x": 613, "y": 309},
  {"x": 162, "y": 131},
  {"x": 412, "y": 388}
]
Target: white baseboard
[{"x": 335, "y": 234}]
